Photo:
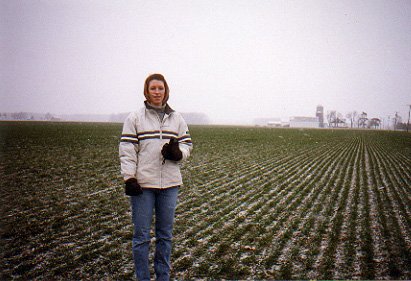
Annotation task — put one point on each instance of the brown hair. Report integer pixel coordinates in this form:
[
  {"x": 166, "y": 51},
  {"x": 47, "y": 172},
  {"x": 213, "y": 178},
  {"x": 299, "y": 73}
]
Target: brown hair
[{"x": 156, "y": 76}]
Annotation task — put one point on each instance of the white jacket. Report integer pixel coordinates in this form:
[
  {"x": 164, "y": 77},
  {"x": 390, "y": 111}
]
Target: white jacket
[{"x": 142, "y": 139}]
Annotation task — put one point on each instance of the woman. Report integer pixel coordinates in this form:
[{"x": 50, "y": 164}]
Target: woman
[{"x": 154, "y": 141}]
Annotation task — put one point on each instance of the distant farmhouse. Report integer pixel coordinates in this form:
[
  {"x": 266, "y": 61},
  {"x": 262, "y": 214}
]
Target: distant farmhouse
[
  {"x": 295, "y": 121},
  {"x": 304, "y": 122},
  {"x": 274, "y": 123},
  {"x": 309, "y": 122},
  {"x": 271, "y": 122}
]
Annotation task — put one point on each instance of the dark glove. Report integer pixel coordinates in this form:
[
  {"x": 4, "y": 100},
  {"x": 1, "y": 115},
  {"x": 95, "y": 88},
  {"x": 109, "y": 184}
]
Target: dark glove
[
  {"x": 171, "y": 150},
  {"x": 133, "y": 188}
]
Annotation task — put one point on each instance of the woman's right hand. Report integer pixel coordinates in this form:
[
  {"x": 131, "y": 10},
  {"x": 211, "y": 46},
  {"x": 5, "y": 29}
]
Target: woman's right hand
[{"x": 133, "y": 188}]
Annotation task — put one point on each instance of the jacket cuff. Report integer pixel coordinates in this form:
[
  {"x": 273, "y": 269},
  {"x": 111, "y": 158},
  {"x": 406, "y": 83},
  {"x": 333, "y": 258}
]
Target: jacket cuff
[
  {"x": 185, "y": 152},
  {"x": 126, "y": 178}
]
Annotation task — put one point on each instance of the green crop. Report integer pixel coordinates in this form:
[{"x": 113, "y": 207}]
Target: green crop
[{"x": 257, "y": 203}]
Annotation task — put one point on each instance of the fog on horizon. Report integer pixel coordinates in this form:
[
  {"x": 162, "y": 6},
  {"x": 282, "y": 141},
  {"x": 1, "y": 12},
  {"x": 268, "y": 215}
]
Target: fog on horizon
[{"x": 231, "y": 60}]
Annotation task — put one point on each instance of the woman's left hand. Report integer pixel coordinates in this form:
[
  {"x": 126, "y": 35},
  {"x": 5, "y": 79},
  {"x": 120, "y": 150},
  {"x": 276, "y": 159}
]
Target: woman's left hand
[{"x": 171, "y": 150}]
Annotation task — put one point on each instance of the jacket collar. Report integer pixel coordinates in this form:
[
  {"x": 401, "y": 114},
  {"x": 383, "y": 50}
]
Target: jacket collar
[{"x": 167, "y": 108}]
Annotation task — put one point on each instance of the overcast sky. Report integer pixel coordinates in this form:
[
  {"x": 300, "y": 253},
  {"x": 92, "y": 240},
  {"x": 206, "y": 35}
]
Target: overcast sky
[{"x": 233, "y": 60}]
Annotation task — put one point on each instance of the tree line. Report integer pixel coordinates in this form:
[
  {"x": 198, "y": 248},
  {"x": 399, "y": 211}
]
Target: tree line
[
  {"x": 355, "y": 119},
  {"x": 27, "y": 116}
]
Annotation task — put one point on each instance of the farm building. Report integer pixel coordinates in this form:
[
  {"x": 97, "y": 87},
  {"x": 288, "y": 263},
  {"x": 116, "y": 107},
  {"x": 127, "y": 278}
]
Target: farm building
[
  {"x": 270, "y": 122},
  {"x": 274, "y": 123},
  {"x": 304, "y": 122}
]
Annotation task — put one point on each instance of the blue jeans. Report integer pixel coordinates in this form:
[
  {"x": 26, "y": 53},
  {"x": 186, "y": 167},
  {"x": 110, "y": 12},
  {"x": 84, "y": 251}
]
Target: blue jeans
[{"x": 164, "y": 202}]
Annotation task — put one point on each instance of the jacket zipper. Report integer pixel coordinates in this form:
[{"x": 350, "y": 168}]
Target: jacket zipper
[{"x": 161, "y": 122}]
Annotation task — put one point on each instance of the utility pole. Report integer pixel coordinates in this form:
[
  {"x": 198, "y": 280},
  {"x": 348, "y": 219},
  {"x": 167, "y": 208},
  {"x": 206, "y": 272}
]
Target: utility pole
[{"x": 409, "y": 112}]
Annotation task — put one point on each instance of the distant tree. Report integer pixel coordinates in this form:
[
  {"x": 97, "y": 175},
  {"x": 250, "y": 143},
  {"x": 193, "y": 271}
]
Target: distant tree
[
  {"x": 48, "y": 117},
  {"x": 362, "y": 120},
  {"x": 402, "y": 126},
  {"x": 331, "y": 118},
  {"x": 374, "y": 123},
  {"x": 19, "y": 116},
  {"x": 352, "y": 116},
  {"x": 396, "y": 120},
  {"x": 340, "y": 121},
  {"x": 335, "y": 119}
]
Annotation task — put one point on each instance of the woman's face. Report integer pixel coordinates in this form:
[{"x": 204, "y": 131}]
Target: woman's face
[{"x": 156, "y": 92}]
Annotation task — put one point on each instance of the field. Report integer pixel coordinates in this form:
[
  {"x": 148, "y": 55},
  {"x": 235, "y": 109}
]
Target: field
[{"x": 258, "y": 203}]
